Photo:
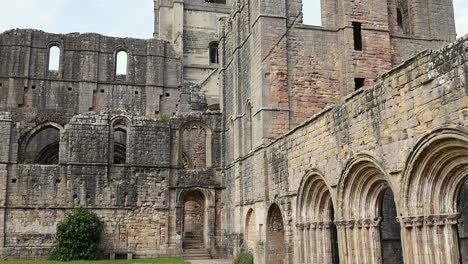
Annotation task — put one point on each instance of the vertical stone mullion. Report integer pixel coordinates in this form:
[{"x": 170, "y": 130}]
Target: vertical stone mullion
[{"x": 312, "y": 244}]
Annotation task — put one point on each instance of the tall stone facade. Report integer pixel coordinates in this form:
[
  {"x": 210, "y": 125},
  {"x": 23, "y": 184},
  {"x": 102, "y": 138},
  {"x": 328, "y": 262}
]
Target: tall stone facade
[{"x": 240, "y": 128}]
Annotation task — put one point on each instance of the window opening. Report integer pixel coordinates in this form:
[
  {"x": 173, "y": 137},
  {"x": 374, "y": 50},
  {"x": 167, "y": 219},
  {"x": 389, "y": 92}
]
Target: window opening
[
  {"x": 357, "y": 30},
  {"x": 121, "y": 64},
  {"x": 54, "y": 58},
  {"x": 359, "y": 83},
  {"x": 214, "y": 53}
]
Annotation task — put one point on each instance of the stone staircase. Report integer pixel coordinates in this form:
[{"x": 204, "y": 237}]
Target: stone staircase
[{"x": 193, "y": 248}]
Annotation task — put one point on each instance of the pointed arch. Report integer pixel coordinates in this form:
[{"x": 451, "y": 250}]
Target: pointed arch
[
  {"x": 275, "y": 236},
  {"x": 195, "y": 145}
]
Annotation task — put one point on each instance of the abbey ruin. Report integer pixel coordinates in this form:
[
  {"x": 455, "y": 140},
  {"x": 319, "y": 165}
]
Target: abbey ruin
[{"x": 238, "y": 127}]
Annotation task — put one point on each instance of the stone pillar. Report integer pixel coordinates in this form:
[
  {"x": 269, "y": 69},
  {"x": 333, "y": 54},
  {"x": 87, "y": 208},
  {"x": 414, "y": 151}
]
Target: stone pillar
[
  {"x": 359, "y": 241},
  {"x": 431, "y": 239},
  {"x": 300, "y": 243}
]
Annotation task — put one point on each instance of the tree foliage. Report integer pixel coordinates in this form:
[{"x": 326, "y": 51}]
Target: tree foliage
[{"x": 77, "y": 236}]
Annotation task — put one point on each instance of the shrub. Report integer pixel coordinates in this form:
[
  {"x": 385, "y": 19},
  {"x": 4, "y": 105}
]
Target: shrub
[
  {"x": 244, "y": 258},
  {"x": 77, "y": 236}
]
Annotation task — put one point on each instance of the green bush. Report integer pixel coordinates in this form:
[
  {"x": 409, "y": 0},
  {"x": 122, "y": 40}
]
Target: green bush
[
  {"x": 77, "y": 236},
  {"x": 244, "y": 258}
]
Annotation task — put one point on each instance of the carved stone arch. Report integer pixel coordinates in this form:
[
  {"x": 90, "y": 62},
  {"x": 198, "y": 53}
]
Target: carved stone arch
[
  {"x": 435, "y": 177},
  {"x": 364, "y": 191},
  {"x": 315, "y": 229},
  {"x": 195, "y": 145},
  {"x": 50, "y": 145}
]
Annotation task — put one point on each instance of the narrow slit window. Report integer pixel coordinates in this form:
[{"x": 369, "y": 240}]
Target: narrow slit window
[
  {"x": 214, "y": 53},
  {"x": 54, "y": 58},
  {"x": 357, "y": 32},
  {"x": 399, "y": 18},
  {"x": 359, "y": 83},
  {"x": 121, "y": 63}
]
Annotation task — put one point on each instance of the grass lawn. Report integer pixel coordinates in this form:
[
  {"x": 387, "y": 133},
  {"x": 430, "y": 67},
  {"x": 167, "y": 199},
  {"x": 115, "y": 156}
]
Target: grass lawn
[{"x": 133, "y": 261}]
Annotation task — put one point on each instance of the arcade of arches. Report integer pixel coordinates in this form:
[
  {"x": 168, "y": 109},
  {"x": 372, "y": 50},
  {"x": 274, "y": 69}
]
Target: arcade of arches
[{"x": 373, "y": 220}]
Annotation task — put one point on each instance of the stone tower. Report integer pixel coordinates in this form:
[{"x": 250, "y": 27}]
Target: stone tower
[
  {"x": 288, "y": 71},
  {"x": 192, "y": 28}
]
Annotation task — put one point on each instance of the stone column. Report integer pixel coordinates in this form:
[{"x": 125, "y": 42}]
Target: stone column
[
  {"x": 431, "y": 239},
  {"x": 313, "y": 243},
  {"x": 300, "y": 243}
]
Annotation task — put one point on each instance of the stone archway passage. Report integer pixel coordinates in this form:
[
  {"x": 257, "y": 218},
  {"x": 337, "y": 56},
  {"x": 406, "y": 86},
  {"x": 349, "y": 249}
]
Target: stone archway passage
[
  {"x": 361, "y": 191},
  {"x": 433, "y": 197},
  {"x": 316, "y": 231},
  {"x": 194, "y": 218},
  {"x": 250, "y": 230},
  {"x": 275, "y": 236}
]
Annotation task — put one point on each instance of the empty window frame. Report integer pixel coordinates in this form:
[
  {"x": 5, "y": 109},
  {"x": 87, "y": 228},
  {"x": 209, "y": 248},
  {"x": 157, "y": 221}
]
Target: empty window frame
[
  {"x": 359, "y": 83},
  {"x": 357, "y": 34},
  {"x": 121, "y": 62},
  {"x": 54, "y": 58},
  {"x": 399, "y": 18},
  {"x": 214, "y": 59}
]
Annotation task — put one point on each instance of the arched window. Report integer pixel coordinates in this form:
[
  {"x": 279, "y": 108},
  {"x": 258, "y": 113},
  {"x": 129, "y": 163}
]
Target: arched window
[
  {"x": 119, "y": 141},
  {"x": 120, "y": 146},
  {"x": 41, "y": 145},
  {"x": 195, "y": 146},
  {"x": 214, "y": 53},
  {"x": 121, "y": 62},
  {"x": 54, "y": 58}
]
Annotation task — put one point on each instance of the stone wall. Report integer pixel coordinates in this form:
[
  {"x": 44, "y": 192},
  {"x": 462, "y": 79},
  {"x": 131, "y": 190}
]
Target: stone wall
[{"x": 381, "y": 125}]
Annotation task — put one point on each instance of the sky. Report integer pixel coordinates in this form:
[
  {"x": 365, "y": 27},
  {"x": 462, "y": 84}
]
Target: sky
[{"x": 125, "y": 18}]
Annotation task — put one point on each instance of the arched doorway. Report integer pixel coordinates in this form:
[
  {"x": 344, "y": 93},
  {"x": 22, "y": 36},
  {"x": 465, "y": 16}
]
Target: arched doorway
[
  {"x": 434, "y": 199},
  {"x": 390, "y": 234},
  {"x": 367, "y": 214},
  {"x": 250, "y": 231},
  {"x": 316, "y": 230},
  {"x": 194, "y": 219},
  {"x": 275, "y": 242}
]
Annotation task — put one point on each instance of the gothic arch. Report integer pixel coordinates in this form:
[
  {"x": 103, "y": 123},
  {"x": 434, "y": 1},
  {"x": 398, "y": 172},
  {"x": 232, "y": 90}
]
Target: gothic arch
[
  {"x": 195, "y": 145},
  {"x": 361, "y": 192},
  {"x": 315, "y": 229},
  {"x": 435, "y": 174},
  {"x": 275, "y": 236}
]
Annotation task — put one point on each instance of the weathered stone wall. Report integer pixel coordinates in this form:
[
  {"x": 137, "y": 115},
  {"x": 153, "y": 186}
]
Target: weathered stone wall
[
  {"x": 384, "y": 123},
  {"x": 86, "y": 79},
  {"x": 134, "y": 200}
]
